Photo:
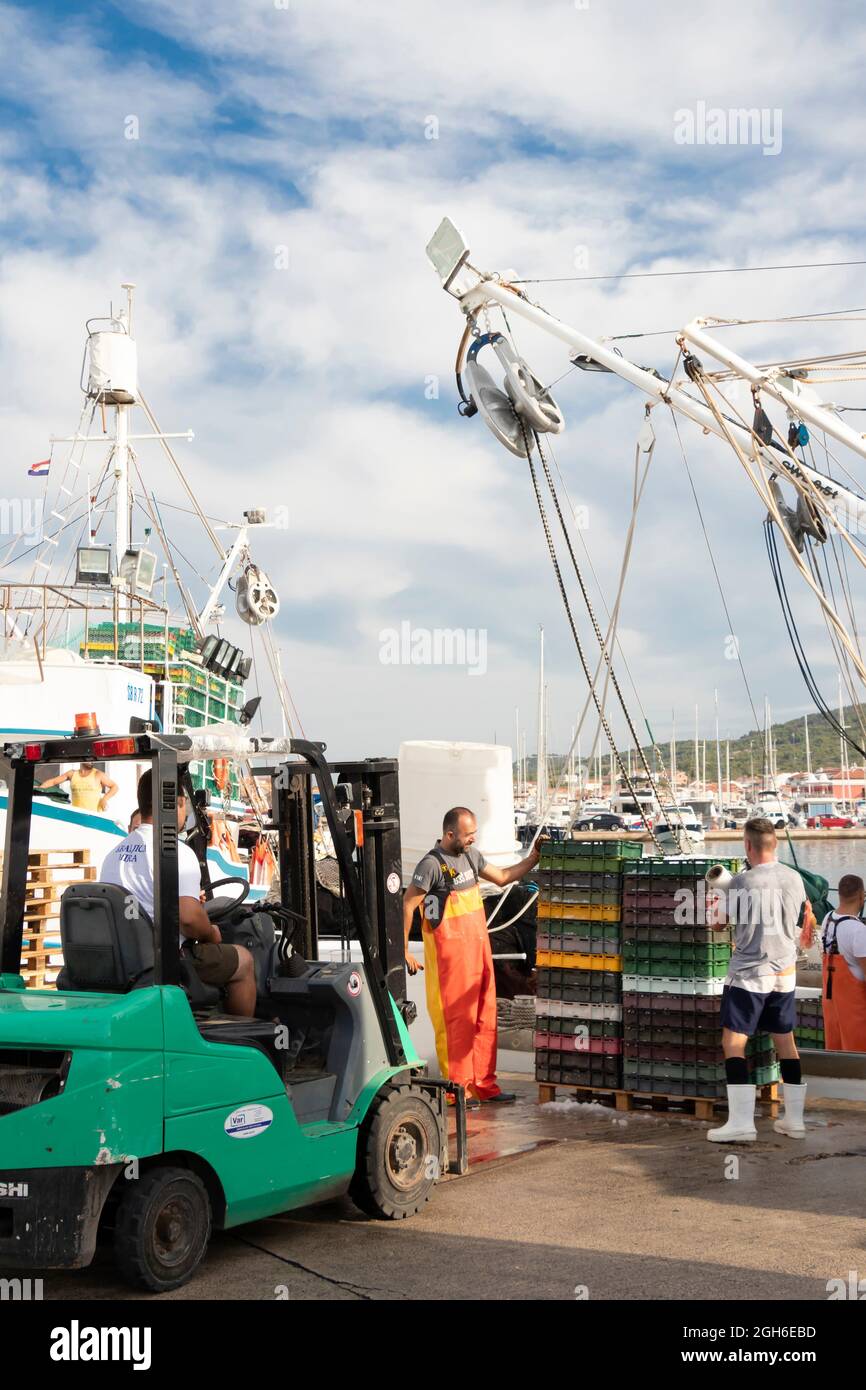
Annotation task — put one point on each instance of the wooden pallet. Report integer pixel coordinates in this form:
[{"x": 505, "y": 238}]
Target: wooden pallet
[
  {"x": 49, "y": 873},
  {"x": 43, "y": 857},
  {"x": 700, "y": 1107},
  {"x": 42, "y": 875},
  {"x": 47, "y": 892},
  {"x": 41, "y": 909},
  {"x": 41, "y": 977}
]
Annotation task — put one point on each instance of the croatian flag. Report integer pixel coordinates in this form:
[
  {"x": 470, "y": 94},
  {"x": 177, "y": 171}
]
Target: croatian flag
[{"x": 39, "y": 470}]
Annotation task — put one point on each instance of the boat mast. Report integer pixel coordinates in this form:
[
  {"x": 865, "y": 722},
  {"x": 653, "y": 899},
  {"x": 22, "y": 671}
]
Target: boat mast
[
  {"x": 728, "y": 770},
  {"x": 541, "y": 752},
  {"x": 808, "y": 750},
  {"x": 517, "y": 746},
  {"x": 718, "y": 754},
  {"x": 674, "y": 754}
]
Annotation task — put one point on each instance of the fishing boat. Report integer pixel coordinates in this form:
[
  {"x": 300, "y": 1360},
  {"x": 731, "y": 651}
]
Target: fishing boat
[{"x": 92, "y": 632}]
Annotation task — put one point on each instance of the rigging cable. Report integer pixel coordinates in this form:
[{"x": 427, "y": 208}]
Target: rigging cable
[
  {"x": 571, "y": 622},
  {"x": 796, "y": 641},
  {"x": 669, "y": 274},
  {"x": 612, "y": 623}
]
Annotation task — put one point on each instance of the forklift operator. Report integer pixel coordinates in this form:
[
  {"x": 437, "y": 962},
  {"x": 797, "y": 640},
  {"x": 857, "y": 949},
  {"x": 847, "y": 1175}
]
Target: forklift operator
[{"x": 130, "y": 865}]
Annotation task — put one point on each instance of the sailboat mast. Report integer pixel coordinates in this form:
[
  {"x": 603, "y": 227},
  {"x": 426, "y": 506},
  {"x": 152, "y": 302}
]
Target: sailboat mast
[
  {"x": 517, "y": 746},
  {"x": 673, "y": 753},
  {"x": 718, "y": 754},
  {"x": 728, "y": 770},
  {"x": 541, "y": 752},
  {"x": 697, "y": 758},
  {"x": 842, "y": 750},
  {"x": 808, "y": 750},
  {"x": 579, "y": 774}
]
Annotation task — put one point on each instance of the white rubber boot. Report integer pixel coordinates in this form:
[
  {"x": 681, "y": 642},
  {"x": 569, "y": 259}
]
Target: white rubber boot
[
  {"x": 740, "y": 1126},
  {"x": 791, "y": 1121}
]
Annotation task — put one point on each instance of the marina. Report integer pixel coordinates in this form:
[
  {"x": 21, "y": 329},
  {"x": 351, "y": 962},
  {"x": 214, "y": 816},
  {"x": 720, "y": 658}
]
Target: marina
[{"x": 432, "y": 675}]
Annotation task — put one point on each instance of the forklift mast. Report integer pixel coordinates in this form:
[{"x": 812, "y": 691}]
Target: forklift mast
[{"x": 366, "y": 804}]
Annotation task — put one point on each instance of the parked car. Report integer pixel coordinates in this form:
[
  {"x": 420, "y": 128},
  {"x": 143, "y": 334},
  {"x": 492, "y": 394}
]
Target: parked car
[
  {"x": 835, "y": 822},
  {"x": 605, "y": 820}
]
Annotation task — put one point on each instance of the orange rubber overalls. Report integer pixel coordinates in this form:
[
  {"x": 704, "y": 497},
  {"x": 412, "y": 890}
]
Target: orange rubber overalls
[
  {"x": 844, "y": 1000},
  {"x": 461, "y": 990}
]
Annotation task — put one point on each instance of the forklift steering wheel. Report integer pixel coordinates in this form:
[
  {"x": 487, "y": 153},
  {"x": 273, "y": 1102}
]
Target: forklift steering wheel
[{"x": 218, "y": 908}]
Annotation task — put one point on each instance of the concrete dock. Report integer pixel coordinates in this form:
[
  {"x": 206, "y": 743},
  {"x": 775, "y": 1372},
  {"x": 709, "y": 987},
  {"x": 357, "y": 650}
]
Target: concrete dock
[{"x": 569, "y": 1201}]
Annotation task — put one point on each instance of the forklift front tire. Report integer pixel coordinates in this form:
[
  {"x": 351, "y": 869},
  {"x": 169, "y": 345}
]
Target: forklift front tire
[
  {"x": 399, "y": 1155},
  {"x": 162, "y": 1228}
]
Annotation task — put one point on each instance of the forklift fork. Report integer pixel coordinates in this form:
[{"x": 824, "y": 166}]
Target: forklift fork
[{"x": 439, "y": 1092}]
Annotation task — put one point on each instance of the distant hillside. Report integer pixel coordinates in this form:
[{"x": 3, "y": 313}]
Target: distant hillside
[{"x": 747, "y": 751}]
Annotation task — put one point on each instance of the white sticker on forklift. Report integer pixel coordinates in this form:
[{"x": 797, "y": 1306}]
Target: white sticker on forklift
[
  {"x": 353, "y": 984},
  {"x": 251, "y": 1120}
]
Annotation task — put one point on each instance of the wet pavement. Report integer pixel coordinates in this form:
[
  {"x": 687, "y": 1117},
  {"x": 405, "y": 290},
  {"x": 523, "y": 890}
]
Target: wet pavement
[{"x": 566, "y": 1201}]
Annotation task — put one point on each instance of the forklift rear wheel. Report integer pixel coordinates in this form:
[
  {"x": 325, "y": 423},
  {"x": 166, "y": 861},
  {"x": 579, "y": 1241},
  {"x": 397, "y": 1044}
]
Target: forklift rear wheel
[
  {"x": 162, "y": 1228},
  {"x": 399, "y": 1154}
]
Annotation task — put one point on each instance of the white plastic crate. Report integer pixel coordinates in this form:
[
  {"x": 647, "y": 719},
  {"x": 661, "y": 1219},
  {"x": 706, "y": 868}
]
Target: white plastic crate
[
  {"x": 560, "y": 1008},
  {"x": 671, "y": 984}
]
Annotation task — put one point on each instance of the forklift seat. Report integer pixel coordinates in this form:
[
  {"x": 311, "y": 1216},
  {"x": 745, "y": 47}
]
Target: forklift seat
[{"x": 110, "y": 952}]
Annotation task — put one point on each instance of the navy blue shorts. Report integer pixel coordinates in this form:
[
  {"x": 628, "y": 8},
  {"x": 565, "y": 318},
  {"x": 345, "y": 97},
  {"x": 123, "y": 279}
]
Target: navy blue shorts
[{"x": 745, "y": 1012}]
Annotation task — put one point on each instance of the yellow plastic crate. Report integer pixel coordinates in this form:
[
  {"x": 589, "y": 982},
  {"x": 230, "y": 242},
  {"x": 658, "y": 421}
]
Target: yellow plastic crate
[
  {"x": 573, "y": 960},
  {"x": 580, "y": 912}
]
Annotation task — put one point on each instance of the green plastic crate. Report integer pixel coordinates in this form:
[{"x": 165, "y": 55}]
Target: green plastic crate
[
  {"x": 692, "y": 953},
  {"x": 555, "y": 860},
  {"x": 686, "y": 869},
  {"x": 608, "y": 849}
]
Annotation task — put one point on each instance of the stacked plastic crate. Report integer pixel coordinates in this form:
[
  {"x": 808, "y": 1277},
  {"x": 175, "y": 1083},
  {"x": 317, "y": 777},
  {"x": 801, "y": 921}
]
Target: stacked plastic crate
[
  {"x": 674, "y": 967},
  {"x": 578, "y": 1039},
  {"x": 809, "y": 1028}
]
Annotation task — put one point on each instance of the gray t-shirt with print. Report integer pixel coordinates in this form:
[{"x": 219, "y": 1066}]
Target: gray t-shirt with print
[
  {"x": 461, "y": 871},
  {"x": 765, "y": 907}
]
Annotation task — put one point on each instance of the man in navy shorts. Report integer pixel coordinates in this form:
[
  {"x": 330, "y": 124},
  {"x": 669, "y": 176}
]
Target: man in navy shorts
[{"x": 766, "y": 906}]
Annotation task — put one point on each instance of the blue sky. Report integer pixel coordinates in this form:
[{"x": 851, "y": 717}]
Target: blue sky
[{"x": 262, "y": 126}]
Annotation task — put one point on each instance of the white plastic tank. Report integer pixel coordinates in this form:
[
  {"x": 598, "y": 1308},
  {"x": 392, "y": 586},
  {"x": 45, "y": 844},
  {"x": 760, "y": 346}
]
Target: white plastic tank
[
  {"x": 434, "y": 776},
  {"x": 112, "y": 368}
]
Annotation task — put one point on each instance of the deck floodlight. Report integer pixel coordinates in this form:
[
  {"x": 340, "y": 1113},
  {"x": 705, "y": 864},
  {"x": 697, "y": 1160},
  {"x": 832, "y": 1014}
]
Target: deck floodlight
[
  {"x": 447, "y": 251},
  {"x": 93, "y": 565},
  {"x": 138, "y": 569}
]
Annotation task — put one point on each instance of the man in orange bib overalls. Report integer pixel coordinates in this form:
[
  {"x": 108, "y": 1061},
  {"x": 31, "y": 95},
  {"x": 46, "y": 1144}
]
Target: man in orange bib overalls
[
  {"x": 458, "y": 963},
  {"x": 843, "y": 935}
]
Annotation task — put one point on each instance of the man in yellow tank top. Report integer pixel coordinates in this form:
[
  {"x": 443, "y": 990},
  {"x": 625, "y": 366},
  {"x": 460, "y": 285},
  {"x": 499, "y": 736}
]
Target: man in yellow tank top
[{"x": 89, "y": 789}]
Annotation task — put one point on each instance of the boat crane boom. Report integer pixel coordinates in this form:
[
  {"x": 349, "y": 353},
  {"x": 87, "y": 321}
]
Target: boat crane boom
[{"x": 476, "y": 290}]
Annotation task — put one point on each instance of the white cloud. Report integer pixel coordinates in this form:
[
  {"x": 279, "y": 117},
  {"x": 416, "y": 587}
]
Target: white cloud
[{"x": 306, "y": 386}]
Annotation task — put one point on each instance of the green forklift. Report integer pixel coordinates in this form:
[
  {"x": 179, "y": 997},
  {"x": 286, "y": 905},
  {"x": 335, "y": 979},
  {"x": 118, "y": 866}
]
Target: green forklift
[{"x": 135, "y": 1111}]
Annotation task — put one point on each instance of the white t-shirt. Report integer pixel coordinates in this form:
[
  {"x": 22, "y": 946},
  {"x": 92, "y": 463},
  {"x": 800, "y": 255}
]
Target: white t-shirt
[
  {"x": 850, "y": 938},
  {"x": 130, "y": 866}
]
